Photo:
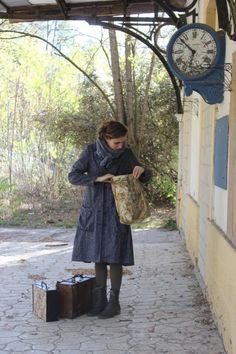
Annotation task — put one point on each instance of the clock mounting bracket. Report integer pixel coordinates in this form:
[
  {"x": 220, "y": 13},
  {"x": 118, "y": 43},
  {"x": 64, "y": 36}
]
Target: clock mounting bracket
[{"x": 213, "y": 85}]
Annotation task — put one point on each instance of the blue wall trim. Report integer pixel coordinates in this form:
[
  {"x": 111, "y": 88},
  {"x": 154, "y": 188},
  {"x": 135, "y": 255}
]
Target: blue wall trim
[{"x": 221, "y": 152}]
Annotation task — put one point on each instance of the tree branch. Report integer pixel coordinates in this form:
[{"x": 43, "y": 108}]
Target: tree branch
[{"x": 66, "y": 58}]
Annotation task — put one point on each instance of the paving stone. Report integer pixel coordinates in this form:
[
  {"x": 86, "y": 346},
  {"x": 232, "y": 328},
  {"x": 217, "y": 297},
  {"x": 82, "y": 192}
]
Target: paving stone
[
  {"x": 92, "y": 345},
  {"x": 36, "y": 347},
  {"x": 18, "y": 346},
  {"x": 110, "y": 351},
  {"x": 70, "y": 351},
  {"x": 32, "y": 352}
]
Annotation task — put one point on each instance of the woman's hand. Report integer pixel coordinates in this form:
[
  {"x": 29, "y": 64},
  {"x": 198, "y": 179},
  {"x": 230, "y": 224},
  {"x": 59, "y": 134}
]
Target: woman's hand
[
  {"x": 105, "y": 178},
  {"x": 137, "y": 171}
]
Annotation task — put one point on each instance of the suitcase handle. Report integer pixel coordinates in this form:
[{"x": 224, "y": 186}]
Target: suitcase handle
[
  {"x": 43, "y": 285},
  {"x": 76, "y": 276},
  {"x": 72, "y": 280}
]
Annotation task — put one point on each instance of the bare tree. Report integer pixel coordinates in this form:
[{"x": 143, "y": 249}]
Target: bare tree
[
  {"x": 118, "y": 91},
  {"x": 144, "y": 112},
  {"x": 128, "y": 110},
  {"x": 130, "y": 91}
]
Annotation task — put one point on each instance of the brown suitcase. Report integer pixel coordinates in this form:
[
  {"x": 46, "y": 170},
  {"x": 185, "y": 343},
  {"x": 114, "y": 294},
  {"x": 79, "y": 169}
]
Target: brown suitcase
[{"x": 75, "y": 295}]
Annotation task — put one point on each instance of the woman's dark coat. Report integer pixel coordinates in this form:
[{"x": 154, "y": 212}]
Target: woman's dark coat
[{"x": 100, "y": 237}]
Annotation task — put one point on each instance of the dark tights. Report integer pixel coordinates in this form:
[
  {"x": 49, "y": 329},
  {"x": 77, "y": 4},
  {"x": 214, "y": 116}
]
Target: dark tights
[{"x": 115, "y": 274}]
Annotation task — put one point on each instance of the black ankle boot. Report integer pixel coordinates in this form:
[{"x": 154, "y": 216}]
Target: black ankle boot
[
  {"x": 113, "y": 307},
  {"x": 99, "y": 301}
]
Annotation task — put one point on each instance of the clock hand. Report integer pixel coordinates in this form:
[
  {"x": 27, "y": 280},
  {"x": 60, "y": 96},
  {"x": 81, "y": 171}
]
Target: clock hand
[
  {"x": 192, "y": 56},
  {"x": 192, "y": 50},
  {"x": 191, "y": 60}
]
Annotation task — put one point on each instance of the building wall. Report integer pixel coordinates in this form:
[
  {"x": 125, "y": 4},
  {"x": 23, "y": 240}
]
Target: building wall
[
  {"x": 205, "y": 181},
  {"x": 184, "y": 164},
  {"x": 195, "y": 148},
  {"x": 206, "y": 213},
  {"x": 221, "y": 251},
  {"x": 231, "y": 220},
  {"x": 192, "y": 228},
  {"x": 221, "y": 284}
]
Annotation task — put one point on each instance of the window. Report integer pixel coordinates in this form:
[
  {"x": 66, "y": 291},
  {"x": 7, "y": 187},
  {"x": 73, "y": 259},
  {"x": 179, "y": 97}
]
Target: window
[{"x": 221, "y": 152}]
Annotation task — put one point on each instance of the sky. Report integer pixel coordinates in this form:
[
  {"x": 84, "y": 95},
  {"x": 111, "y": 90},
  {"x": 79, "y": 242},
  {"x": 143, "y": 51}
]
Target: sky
[{"x": 94, "y": 32}]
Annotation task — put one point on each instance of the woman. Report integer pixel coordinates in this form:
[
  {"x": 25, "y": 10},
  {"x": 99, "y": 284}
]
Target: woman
[{"x": 100, "y": 237}]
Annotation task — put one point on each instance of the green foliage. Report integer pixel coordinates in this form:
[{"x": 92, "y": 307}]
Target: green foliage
[
  {"x": 170, "y": 224},
  {"x": 5, "y": 186},
  {"x": 78, "y": 127},
  {"x": 164, "y": 188}
]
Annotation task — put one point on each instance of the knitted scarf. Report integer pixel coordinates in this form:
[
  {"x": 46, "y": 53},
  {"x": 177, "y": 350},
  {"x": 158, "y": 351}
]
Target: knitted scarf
[{"x": 106, "y": 154}]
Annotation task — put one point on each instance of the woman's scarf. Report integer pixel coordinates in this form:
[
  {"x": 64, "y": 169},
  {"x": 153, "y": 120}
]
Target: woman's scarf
[{"x": 106, "y": 154}]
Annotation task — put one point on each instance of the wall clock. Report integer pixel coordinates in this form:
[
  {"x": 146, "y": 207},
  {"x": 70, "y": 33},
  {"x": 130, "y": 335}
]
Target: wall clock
[{"x": 195, "y": 54}]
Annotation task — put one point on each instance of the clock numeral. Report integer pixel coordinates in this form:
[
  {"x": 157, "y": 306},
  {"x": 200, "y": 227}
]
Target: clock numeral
[
  {"x": 179, "y": 43},
  {"x": 203, "y": 35},
  {"x": 207, "y": 43},
  {"x": 179, "y": 51},
  {"x": 194, "y": 34},
  {"x": 210, "y": 51},
  {"x": 184, "y": 36}
]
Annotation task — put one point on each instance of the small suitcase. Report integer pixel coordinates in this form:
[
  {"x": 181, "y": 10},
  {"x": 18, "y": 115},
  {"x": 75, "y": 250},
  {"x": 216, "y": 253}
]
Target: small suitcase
[
  {"x": 45, "y": 302},
  {"x": 75, "y": 295}
]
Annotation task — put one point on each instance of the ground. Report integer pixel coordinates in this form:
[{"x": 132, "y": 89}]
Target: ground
[
  {"x": 65, "y": 216},
  {"x": 163, "y": 310}
]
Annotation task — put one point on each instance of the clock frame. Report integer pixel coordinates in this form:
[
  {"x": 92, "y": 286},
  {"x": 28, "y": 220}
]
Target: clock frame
[
  {"x": 177, "y": 36},
  {"x": 209, "y": 83}
]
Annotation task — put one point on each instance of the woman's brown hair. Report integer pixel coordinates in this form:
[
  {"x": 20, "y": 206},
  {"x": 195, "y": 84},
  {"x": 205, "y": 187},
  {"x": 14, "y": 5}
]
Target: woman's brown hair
[{"x": 112, "y": 129}]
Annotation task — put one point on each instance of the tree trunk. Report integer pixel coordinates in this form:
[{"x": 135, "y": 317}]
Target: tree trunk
[
  {"x": 118, "y": 92},
  {"x": 130, "y": 89},
  {"x": 12, "y": 138},
  {"x": 144, "y": 113}
]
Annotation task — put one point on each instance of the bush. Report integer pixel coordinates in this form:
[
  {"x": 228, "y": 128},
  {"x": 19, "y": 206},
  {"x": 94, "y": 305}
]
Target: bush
[{"x": 162, "y": 189}]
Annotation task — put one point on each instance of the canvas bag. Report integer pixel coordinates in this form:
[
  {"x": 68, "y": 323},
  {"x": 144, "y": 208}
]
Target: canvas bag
[{"x": 130, "y": 200}]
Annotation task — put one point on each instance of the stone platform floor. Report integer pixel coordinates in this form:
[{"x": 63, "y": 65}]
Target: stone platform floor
[{"x": 162, "y": 306}]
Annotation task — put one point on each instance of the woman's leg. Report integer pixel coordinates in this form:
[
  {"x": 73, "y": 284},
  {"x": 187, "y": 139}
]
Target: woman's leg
[
  {"x": 116, "y": 276},
  {"x": 100, "y": 291},
  {"x": 113, "y": 307},
  {"x": 101, "y": 274}
]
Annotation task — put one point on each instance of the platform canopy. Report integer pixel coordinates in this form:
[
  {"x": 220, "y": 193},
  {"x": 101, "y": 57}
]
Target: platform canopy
[{"x": 36, "y": 10}]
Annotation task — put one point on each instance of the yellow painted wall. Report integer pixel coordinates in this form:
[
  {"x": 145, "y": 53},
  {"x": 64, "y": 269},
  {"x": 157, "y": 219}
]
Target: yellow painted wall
[
  {"x": 179, "y": 206},
  {"x": 211, "y": 14},
  {"x": 221, "y": 284},
  {"x": 219, "y": 255},
  {"x": 192, "y": 228}
]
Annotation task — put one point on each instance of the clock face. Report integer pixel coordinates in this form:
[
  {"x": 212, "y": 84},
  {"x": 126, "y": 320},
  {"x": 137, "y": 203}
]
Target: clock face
[{"x": 194, "y": 51}]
